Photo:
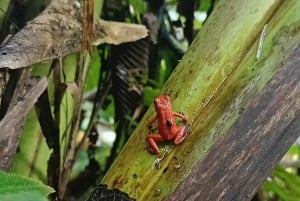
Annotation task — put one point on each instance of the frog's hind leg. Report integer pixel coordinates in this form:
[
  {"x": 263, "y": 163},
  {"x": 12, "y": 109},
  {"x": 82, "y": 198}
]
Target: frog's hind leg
[
  {"x": 151, "y": 143},
  {"x": 181, "y": 134}
]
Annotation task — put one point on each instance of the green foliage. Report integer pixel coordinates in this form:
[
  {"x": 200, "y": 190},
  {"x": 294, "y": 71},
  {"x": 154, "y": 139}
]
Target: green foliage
[
  {"x": 14, "y": 187},
  {"x": 94, "y": 71},
  {"x": 3, "y": 7},
  {"x": 139, "y": 8},
  {"x": 284, "y": 182},
  {"x": 31, "y": 160},
  {"x": 149, "y": 95},
  {"x": 205, "y": 4},
  {"x": 295, "y": 150}
]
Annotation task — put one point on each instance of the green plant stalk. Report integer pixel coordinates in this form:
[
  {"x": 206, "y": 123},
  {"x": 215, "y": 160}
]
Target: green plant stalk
[
  {"x": 34, "y": 153},
  {"x": 3, "y": 8},
  {"x": 216, "y": 79}
]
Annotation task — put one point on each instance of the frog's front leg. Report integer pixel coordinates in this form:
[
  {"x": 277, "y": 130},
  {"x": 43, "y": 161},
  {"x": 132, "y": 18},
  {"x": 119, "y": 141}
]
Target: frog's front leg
[
  {"x": 151, "y": 121},
  {"x": 181, "y": 134},
  {"x": 151, "y": 142},
  {"x": 180, "y": 115}
]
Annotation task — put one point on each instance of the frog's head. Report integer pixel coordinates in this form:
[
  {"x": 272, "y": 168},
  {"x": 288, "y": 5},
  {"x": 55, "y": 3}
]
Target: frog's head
[{"x": 162, "y": 101}]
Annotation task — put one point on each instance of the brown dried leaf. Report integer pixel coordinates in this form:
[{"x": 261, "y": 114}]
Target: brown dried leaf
[
  {"x": 117, "y": 32},
  {"x": 27, "y": 93},
  {"x": 57, "y": 31}
]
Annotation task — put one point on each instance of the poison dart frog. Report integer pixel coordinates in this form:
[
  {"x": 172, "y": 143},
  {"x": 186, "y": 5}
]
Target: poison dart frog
[{"x": 166, "y": 125}]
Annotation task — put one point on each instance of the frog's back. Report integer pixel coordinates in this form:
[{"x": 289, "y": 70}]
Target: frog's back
[{"x": 166, "y": 123}]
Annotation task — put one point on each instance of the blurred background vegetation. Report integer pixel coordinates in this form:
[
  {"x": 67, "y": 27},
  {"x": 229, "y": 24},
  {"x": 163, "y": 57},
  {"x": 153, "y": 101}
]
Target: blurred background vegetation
[{"x": 122, "y": 82}]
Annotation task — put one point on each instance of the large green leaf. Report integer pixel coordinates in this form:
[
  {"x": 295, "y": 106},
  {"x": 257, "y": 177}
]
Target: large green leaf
[{"x": 14, "y": 187}]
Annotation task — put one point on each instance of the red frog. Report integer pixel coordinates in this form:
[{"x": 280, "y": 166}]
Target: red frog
[{"x": 166, "y": 124}]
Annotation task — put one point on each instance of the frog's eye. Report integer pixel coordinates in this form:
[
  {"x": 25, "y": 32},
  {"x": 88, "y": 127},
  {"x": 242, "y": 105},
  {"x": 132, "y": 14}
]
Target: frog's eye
[{"x": 158, "y": 99}]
